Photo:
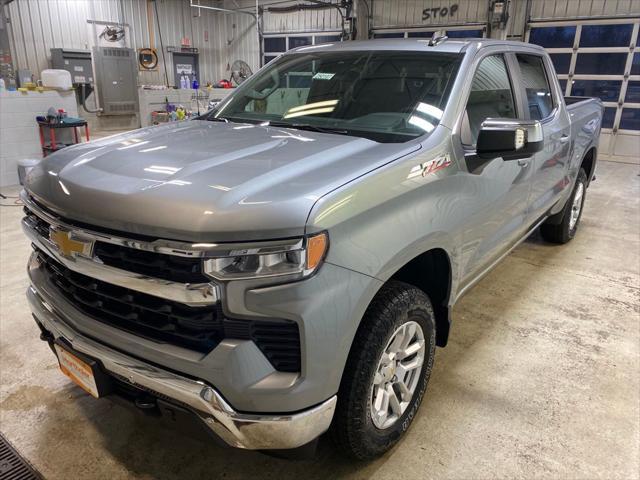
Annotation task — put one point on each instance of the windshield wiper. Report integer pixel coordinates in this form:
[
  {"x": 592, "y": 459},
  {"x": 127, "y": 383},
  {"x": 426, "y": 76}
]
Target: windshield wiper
[
  {"x": 308, "y": 127},
  {"x": 211, "y": 118}
]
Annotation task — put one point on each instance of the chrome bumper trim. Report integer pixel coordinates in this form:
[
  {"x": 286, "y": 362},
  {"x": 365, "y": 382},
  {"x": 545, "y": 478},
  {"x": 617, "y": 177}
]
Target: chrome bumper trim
[
  {"x": 198, "y": 294},
  {"x": 249, "y": 431}
]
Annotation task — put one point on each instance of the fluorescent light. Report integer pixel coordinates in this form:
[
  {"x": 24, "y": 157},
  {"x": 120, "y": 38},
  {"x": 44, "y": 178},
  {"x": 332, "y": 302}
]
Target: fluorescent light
[
  {"x": 325, "y": 103},
  {"x": 153, "y": 149},
  {"x": 64, "y": 188},
  {"x": 161, "y": 169},
  {"x": 221, "y": 187},
  {"x": 176, "y": 182},
  {"x": 83, "y": 161},
  {"x": 294, "y": 137},
  {"x": 137, "y": 143},
  {"x": 309, "y": 112},
  {"x": 322, "y": 45},
  {"x": 430, "y": 110},
  {"x": 421, "y": 123}
]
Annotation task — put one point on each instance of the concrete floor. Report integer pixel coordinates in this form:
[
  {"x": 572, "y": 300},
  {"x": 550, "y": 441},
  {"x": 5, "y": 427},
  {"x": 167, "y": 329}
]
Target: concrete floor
[{"x": 541, "y": 377}]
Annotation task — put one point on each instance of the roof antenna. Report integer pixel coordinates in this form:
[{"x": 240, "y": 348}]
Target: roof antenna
[{"x": 438, "y": 37}]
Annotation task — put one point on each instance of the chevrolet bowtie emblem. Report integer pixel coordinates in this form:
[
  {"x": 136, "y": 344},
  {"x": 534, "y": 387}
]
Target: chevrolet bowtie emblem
[{"x": 68, "y": 246}]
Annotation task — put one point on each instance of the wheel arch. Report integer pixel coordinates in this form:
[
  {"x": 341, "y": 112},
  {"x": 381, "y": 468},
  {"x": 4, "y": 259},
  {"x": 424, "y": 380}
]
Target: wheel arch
[
  {"x": 588, "y": 162},
  {"x": 431, "y": 272}
]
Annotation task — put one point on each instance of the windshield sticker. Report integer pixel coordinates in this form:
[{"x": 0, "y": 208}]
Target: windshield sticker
[{"x": 323, "y": 76}]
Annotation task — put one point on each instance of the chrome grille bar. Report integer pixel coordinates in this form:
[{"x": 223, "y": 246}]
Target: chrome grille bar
[{"x": 188, "y": 294}]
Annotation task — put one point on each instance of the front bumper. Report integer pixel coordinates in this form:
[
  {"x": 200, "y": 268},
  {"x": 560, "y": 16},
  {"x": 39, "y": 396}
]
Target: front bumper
[{"x": 249, "y": 431}]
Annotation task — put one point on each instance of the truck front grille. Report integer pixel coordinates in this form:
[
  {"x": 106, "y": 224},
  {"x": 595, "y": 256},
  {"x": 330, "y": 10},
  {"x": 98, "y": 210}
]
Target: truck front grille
[
  {"x": 195, "y": 328},
  {"x": 159, "y": 265}
]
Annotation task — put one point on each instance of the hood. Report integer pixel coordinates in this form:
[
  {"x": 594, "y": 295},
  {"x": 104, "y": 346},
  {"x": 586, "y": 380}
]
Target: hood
[{"x": 204, "y": 181}]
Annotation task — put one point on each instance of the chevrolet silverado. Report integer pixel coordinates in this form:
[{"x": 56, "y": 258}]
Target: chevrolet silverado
[{"x": 287, "y": 263}]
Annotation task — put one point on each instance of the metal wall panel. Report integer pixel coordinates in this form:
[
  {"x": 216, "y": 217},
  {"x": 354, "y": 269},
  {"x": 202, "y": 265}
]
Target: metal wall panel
[
  {"x": 39, "y": 25},
  {"x": 517, "y": 19},
  {"x": 301, "y": 21},
  {"x": 409, "y": 13},
  {"x": 572, "y": 9}
]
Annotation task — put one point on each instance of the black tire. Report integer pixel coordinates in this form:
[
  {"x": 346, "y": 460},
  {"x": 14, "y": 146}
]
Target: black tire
[
  {"x": 353, "y": 429},
  {"x": 557, "y": 229}
]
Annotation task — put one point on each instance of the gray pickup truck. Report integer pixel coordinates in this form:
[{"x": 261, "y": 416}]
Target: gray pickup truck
[{"x": 287, "y": 263}]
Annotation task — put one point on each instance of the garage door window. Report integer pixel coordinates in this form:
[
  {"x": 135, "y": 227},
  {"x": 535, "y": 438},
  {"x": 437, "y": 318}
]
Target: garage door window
[
  {"x": 601, "y": 63},
  {"x": 630, "y": 119},
  {"x": 633, "y": 92},
  {"x": 599, "y": 58},
  {"x": 635, "y": 64},
  {"x": 274, "y": 45},
  {"x": 553, "y": 37},
  {"x": 608, "y": 117},
  {"x": 605, "y": 35},
  {"x": 606, "y": 90},
  {"x": 561, "y": 62},
  {"x": 475, "y": 32}
]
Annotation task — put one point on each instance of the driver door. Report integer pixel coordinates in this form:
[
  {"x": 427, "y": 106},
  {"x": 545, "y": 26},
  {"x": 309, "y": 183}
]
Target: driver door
[{"x": 497, "y": 190}]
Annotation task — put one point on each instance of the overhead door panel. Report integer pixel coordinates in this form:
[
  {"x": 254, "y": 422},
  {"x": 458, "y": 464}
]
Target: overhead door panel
[{"x": 596, "y": 58}]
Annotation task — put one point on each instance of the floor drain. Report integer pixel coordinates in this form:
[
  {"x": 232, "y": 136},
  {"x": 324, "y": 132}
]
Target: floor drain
[{"x": 13, "y": 466}]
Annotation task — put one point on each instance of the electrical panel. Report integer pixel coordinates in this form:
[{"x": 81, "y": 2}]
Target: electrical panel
[
  {"x": 76, "y": 62},
  {"x": 117, "y": 84}
]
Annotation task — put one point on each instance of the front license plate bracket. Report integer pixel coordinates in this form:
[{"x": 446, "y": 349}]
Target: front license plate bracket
[{"x": 84, "y": 371}]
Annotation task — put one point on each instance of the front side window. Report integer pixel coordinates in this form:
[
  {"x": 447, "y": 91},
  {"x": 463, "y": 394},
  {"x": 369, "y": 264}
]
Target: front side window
[
  {"x": 539, "y": 99},
  {"x": 491, "y": 97},
  {"x": 389, "y": 96}
]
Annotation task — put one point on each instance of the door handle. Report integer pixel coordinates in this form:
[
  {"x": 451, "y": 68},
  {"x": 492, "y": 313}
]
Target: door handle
[
  {"x": 523, "y": 162},
  {"x": 564, "y": 138}
]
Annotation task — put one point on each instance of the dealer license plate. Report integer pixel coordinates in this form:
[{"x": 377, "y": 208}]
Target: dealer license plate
[{"x": 77, "y": 370}]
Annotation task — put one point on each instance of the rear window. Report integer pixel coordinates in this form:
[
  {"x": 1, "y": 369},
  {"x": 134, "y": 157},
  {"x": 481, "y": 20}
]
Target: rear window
[{"x": 536, "y": 84}]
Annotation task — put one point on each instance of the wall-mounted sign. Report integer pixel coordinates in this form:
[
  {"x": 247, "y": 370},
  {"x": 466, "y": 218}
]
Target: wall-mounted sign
[
  {"x": 439, "y": 12},
  {"x": 182, "y": 50},
  {"x": 184, "y": 68}
]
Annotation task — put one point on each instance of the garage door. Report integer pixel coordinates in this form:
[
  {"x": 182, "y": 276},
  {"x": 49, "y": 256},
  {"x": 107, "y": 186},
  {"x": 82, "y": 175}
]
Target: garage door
[
  {"x": 597, "y": 58},
  {"x": 274, "y": 45},
  {"x": 473, "y": 31}
]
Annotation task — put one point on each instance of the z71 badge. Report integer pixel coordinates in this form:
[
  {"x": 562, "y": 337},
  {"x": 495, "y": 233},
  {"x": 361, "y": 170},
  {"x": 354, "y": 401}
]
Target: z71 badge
[{"x": 436, "y": 164}]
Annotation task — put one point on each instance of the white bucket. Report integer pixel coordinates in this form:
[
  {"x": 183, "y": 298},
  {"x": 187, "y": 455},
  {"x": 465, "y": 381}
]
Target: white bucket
[{"x": 60, "y": 79}]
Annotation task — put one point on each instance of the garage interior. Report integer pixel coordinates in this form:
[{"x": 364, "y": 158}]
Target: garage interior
[{"x": 541, "y": 376}]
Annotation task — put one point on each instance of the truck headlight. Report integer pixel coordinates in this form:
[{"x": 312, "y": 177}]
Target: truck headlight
[{"x": 297, "y": 258}]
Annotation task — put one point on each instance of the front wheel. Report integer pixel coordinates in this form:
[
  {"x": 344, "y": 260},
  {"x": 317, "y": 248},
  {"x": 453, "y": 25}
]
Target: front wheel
[
  {"x": 386, "y": 373},
  {"x": 565, "y": 229}
]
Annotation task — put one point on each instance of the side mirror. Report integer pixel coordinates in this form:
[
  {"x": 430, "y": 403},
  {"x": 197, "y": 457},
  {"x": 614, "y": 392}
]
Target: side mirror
[{"x": 509, "y": 138}]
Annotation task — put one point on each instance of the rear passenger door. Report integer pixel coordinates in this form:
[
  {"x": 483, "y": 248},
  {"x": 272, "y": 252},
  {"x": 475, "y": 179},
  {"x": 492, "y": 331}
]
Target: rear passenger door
[{"x": 549, "y": 167}]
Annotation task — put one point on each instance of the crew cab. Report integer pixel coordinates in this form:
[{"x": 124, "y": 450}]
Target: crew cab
[{"x": 287, "y": 263}]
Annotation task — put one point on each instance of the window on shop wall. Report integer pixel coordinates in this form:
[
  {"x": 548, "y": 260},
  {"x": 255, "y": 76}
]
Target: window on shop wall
[
  {"x": 597, "y": 59},
  {"x": 274, "y": 45},
  {"x": 418, "y": 33}
]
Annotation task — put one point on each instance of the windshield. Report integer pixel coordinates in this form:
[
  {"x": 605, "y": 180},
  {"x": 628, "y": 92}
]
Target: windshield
[{"x": 386, "y": 96}]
